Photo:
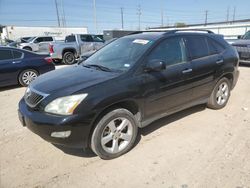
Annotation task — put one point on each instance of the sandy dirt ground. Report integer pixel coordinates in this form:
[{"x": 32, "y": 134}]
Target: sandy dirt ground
[{"x": 197, "y": 147}]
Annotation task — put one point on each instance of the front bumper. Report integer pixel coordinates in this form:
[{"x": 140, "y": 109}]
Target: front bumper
[{"x": 44, "y": 125}]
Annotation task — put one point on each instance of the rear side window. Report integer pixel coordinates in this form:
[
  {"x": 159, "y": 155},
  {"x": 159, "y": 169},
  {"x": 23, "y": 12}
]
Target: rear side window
[
  {"x": 5, "y": 55},
  {"x": 47, "y": 39},
  {"x": 17, "y": 54},
  {"x": 86, "y": 38},
  {"x": 70, "y": 38},
  {"x": 198, "y": 46},
  {"x": 214, "y": 47}
]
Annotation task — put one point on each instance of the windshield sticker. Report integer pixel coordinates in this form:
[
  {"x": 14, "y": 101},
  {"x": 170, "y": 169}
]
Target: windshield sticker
[
  {"x": 141, "y": 41},
  {"x": 126, "y": 65}
]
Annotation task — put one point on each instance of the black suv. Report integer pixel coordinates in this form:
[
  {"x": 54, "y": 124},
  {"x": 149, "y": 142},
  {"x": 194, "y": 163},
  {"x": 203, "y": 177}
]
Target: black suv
[{"x": 101, "y": 102}]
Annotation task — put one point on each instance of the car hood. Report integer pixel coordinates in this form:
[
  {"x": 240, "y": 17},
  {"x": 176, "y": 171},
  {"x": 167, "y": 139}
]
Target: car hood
[
  {"x": 241, "y": 42},
  {"x": 70, "y": 80}
]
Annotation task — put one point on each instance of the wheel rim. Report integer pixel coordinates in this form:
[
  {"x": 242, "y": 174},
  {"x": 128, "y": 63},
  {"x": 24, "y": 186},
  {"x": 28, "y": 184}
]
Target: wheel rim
[
  {"x": 28, "y": 77},
  {"x": 222, "y": 93},
  {"x": 117, "y": 135},
  {"x": 69, "y": 58}
]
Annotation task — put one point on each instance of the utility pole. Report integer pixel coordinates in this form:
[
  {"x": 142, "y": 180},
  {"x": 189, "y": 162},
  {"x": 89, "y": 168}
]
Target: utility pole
[
  {"x": 95, "y": 20},
  {"x": 122, "y": 18},
  {"x": 57, "y": 13},
  {"x": 63, "y": 14},
  {"x": 206, "y": 13},
  {"x": 139, "y": 16},
  {"x": 234, "y": 13},
  {"x": 162, "y": 14},
  {"x": 228, "y": 10}
]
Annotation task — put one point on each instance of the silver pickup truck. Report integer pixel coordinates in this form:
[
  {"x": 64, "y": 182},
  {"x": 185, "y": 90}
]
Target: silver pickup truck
[{"x": 73, "y": 46}]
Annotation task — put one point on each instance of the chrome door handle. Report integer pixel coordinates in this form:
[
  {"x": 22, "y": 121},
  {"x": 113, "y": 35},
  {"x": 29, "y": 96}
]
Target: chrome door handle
[
  {"x": 187, "y": 71},
  {"x": 15, "y": 62},
  {"x": 220, "y": 61}
]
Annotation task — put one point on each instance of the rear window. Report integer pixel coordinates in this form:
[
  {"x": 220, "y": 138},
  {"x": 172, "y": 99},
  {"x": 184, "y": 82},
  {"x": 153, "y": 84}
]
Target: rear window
[
  {"x": 198, "y": 46},
  {"x": 17, "y": 54},
  {"x": 5, "y": 55},
  {"x": 70, "y": 38}
]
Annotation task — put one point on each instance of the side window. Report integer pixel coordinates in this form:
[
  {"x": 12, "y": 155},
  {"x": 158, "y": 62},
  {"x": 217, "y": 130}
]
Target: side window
[
  {"x": 47, "y": 39},
  {"x": 198, "y": 46},
  {"x": 17, "y": 54},
  {"x": 97, "y": 39},
  {"x": 171, "y": 51},
  {"x": 5, "y": 55},
  {"x": 40, "y": 39},
  {"x": 86, "y": 38},
  {"x": 70, "y": 38},
  {"x": 214, "y": 47}
]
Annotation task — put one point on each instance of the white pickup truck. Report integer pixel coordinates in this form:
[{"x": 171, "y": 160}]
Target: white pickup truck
[
  {"x": 73, "y": 46},
  {"x": 37, "y": 44}
]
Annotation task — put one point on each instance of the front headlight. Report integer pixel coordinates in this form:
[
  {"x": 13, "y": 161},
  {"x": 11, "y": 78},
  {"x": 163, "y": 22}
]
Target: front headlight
[{"x": 65, "y": 105}]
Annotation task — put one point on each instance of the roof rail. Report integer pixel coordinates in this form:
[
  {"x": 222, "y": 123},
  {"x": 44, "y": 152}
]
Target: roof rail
[
  {"x": 184, "y": 30},
  {"x": 171, "y": 31}
]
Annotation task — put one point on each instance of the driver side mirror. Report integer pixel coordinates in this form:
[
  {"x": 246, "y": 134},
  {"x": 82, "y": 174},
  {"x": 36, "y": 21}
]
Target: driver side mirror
[
  {"x": 155, "y": 65},
  {"x": 239, "y": 36}
]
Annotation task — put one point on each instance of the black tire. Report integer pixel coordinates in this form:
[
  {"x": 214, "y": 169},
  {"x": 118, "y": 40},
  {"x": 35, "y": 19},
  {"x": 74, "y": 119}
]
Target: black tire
[
  {"x": 69, "y": 58},
  {"x": 21, "y": 76},
  {"x": 101, "y": 127},
  {"x": 213, "y": 99},
  {"x": 27, "y": 48}
]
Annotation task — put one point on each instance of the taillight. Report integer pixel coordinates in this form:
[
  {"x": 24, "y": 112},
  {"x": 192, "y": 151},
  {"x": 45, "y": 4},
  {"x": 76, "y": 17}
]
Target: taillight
[
  {"x": 48, "y": 59},
  {"x": 51, "y": 49}
]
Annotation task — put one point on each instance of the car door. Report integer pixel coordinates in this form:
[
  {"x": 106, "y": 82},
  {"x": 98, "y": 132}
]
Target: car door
[
  {"x": 206, "y": 61},
  {"x": 171, "y": 88},
  {"x": 87, "y": 43},
  {"x": 7, "y": 68},
  {"x": 44, "y": 44},
  {"x": 36, "y": 43}
]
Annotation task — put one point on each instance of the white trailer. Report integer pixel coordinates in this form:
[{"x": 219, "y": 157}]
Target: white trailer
[{"x": 15, "y": 32}]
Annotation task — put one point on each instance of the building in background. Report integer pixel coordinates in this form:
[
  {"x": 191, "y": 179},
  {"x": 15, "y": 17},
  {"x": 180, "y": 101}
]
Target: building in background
[
  {"x": 230, "y": 30},
  {"x": 15, "y": 32}
]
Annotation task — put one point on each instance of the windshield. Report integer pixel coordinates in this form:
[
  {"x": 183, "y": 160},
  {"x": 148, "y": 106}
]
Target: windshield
[
  {"x": 246, "y": 36},
  {"x": 30, "y": 39},
  {"x": 119, "y": 55}
]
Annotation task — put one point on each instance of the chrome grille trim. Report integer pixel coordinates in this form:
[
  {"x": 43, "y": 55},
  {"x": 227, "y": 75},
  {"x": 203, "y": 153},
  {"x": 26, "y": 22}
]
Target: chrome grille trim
[{"x": 33, "y": 97}]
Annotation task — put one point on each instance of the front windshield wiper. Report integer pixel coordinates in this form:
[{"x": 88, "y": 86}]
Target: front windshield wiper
[{"x": 100, "y": 67}]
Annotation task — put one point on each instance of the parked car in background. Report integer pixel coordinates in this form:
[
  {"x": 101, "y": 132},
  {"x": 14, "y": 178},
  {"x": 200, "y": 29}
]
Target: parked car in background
[
  {"x": 128, "y": 84},
  {"x": 74, "y": 46},
  {"x": 36, "y": 44},
  {"x": 22, "y": 67},
  {"x": 243, "y": 47},
  {"x": 18, "y": 41}
]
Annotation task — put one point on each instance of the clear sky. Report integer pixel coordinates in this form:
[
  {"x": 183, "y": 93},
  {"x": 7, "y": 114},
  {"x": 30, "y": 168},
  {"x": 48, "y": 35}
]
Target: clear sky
[{"x": 80, "y": 12}]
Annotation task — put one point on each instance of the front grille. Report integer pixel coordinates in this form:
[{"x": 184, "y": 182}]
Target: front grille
[{"x": 33, "y": 98}]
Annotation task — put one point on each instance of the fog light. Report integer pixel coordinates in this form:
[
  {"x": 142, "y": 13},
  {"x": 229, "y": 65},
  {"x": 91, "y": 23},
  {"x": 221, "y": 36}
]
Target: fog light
[{"x": 62, "y": 134}]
